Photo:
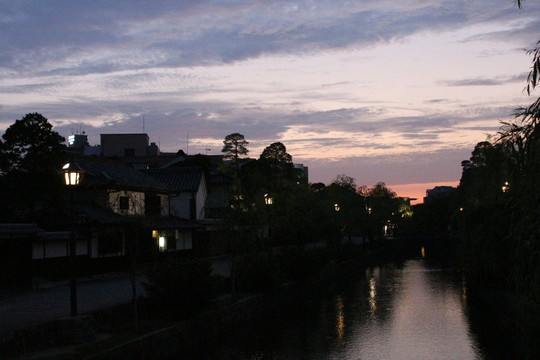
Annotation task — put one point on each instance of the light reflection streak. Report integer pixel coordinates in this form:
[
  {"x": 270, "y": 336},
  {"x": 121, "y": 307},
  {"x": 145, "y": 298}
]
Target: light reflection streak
[
  {"x": 340, "y": 319},
  {"x": 464, "y": 289},
  {"x": 372, "y": 296}
]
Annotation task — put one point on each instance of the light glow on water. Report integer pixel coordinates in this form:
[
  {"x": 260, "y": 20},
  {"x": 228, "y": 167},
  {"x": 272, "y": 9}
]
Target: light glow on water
[
  {"x": 391, "y": 312},
  {"x": 424, "y": 320}
]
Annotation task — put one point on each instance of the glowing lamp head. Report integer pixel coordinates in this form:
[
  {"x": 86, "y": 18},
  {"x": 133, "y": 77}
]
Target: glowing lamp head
[
  {"x": 72, "y": 174},
  {"x": 268, "y": 200}
]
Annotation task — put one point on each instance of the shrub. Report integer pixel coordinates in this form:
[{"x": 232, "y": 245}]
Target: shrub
[
  {"x": 183, "y": 285},
  {"x": 256, "y": 272},
  {"x": 300, "y": 264}
]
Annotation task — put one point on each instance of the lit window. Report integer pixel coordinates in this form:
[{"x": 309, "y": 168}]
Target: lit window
[{"x": 162, "y": 243}]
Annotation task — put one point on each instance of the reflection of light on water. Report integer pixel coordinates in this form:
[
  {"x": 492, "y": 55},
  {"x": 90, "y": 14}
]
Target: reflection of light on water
[
  {"x": 423, "y": 252},
  {"x": 464, "y": 289},
  {"x": 340, "y": 319},
  {"x": 372, "y": 295}
]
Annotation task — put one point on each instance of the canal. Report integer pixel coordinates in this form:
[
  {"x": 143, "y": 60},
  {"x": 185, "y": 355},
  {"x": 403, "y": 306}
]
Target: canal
[{"x": 400, "y": 310}]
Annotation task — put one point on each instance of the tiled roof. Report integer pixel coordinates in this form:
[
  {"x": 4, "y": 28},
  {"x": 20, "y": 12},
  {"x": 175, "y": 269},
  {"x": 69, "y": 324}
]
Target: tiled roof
[
  {"x": 183, "y": 179},
  {"x": 99, "y": 172}
]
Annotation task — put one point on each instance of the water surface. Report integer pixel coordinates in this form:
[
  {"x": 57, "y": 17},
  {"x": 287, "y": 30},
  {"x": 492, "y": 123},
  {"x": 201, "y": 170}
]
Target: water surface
[{"x": 395, "y": 311}]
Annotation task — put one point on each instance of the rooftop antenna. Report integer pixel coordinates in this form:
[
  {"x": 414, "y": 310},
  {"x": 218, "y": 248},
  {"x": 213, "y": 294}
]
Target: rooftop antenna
[{"x": 143, "y": 130}]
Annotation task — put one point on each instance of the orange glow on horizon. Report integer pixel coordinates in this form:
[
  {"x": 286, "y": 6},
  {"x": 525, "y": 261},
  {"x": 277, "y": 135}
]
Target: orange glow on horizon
[{"x": 418, "y": 190}]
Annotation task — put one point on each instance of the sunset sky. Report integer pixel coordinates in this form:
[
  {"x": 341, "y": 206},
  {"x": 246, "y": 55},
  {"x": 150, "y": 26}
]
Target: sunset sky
[{"x": 397, "y": 91}]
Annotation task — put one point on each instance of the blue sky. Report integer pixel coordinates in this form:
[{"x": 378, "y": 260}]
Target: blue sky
[{"x": 387, "y": 90}]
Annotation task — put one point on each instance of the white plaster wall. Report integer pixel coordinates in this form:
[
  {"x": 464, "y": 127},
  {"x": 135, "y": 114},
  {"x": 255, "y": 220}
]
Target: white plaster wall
[
  {"x": 136, "y": 202},
  {"x": 180, "y": 205},
  {"x": 165, "y": 211},
  {"x": 200, "y": 199},
  {"x": 94, "y": 247},
  {"x": 54, "y": 249}
]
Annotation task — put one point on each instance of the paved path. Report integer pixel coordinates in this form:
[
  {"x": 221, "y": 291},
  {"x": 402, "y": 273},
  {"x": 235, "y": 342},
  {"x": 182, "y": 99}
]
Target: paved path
[
  {"x": 33, "y": 307},
  {"x": 43, "y": 305}
]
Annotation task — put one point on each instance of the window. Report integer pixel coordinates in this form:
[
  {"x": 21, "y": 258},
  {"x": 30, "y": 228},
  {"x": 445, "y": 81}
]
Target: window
[
  {"x": 152, "y": 205},
  {"x": 123, "y": 203}
]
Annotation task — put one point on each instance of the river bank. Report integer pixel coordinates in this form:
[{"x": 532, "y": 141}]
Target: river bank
[
  {"x": 507, "y": 323},
  {"x": 114, "y": 328}
]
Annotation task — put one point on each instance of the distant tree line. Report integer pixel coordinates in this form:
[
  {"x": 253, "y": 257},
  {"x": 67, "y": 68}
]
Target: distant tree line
[{"x": 270, "y": 192}]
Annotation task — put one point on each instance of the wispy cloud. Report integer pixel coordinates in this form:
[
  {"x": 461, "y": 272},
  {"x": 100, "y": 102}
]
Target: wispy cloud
[
  {"x": 396, "y": 89},
  {"x": 479, "y": 81}
]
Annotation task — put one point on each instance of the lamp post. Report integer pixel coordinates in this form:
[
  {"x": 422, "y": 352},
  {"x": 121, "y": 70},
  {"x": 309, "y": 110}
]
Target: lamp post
[{"x": 72, "y": 177}]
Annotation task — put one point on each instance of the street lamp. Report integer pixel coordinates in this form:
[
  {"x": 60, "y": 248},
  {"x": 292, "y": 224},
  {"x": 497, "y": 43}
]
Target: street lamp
[
  {"x": 72, "y": 174},
  {"x": 72, "y": 177},
  {"x": 268, "y": 200}
]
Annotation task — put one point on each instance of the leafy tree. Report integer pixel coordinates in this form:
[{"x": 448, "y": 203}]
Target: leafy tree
[
  {"x": 276, "y": 154},
  {"x": 234, "y": 147},
  {"x": 383, "y": 205},
  {"x": 272, "y": 172},
  {"x": 348, "y": 206},
  {"x": 316, "y": 223},
  {"x": 319, "y": 186},
  {"x": 30, "y": 145},
  {"x": 31, "y": 154},
  {"x": 381, "y": 191}
]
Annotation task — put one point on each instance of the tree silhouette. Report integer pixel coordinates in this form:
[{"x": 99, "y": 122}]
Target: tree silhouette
[
  {"x": 31, "y": 154},
  {"x": 30, "y": 145},
  {"x": 276, "y": 154},
  {"x": 234, "y": 147},
  {"x": 499, "y": 201}
]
